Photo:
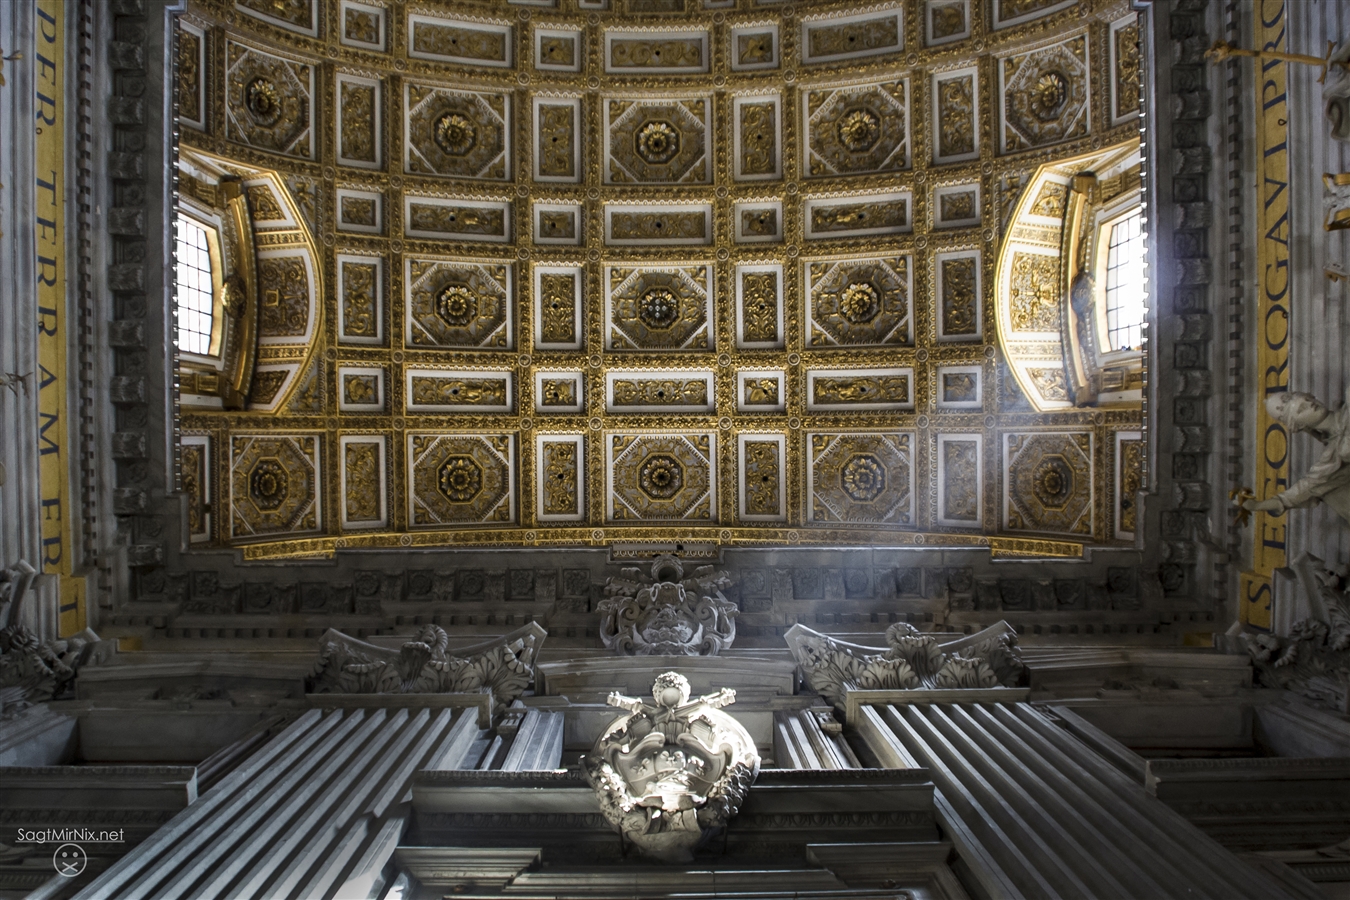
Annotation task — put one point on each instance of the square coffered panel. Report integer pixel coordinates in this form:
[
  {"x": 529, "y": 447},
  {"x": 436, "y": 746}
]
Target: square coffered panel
[
  {"x": 859, "y": 302},
  {"x": 1048, "y": 482},
  {"x": 856, "y": 129},
  {"x": 274, "y": 485},
  {"x": 655, "y": 140},
  {"x": 459, "y": 304},
  {"x": 861, "y": 477},
  {"x": 659, "y": 307},
  {"x": 655, "y": 477},
  {"x": 465, "y": 134},
  {"x": 461, "y": 479}
]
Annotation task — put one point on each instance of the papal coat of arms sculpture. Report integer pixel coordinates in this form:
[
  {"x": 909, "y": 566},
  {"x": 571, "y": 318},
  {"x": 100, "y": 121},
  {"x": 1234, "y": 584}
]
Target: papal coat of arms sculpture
[{"x": 672, "y": 773}]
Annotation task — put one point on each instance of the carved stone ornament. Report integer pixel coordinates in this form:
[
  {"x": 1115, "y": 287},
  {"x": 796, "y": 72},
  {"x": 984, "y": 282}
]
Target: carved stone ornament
[
  {"x": 913, "y": 661},
  {"x": 666, "y": 614},
  {"x": 422, "y": 665},
  {"x": 1328, "y": 479},
  {"x": 34, "y": 671},
  {"x": 1313, "y": 660},
  {"x": 670, "y": 775}
]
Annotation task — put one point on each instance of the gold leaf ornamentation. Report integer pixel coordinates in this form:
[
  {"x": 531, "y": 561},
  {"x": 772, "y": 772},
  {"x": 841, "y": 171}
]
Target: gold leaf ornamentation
[
  {"x": 658, "y": 477},
  {"x": 1034, "y": 292},
  {"x": 1050, "y": 383},
  {"x": 860, "y": 389},
  {"x": 1050, "y": 482},
  {"x": 189, "y": 75},
  {"x": 458, "y": 304},
  {"x": 459, "y": 42},
  {"x": 460, "y": 479},
  {"x": 557, "y": 140},
  {"x": 194, "y": 463},
  {"x": 1131, "y": 482},
  {"x": 299, "y": 13},
  {"x": 360, "y": 25},
  {"x": 961, "y": 486},
  {"x": 643, "y": 53},
  {"x": 857, "y": 38},
  {"x": 956, "y": 116},
  {"x": 960, "y": 387},
  {"x": 1045, "y": 97},
  {"x": 763, "y": 478},
  {"x": 859, "y": 302},
  {"x": 1127, "y": 70},
  {"x": 758, "y": 130},
  {"x": 959, "y": 303},
  {"x": 267, "y": 101},
  {"x": 456, "y": 133},
  {"x": 759, "y": 307},
  {"x": 558, "y": 392},
  {"x": 429, "y": 390},
  {"x": 857, "y": 130},
  {"x": 358, "y": 121},
  {"x": 659, "y": 309},
  {"x": 862, "y": 478},
  {"x": 558, "y": 469},
  {"x": 272, "y": 485},
  {"x": 362, "y": 497},
  {"x": 657, "y": 141},
  {"x": 360, "y": 316},
  {"x": 657, "y": 392},
  {"x": 283, "y": 284},
  {"x": 359, "y": 211},
  {"x": 557, "y": 307}
]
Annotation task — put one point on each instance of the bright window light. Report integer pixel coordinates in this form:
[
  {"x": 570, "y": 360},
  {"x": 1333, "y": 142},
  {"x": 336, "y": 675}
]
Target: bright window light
[
  {"x": 1125, "y": 284},
  {"x": 196, "y": 300}
]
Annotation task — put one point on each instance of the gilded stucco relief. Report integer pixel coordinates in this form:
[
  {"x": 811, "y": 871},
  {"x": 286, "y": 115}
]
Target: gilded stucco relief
[
  {"x": 452, "y": 304},
  {"x": 461, "y": 479},
  {"x": 857, "y": 130},
  {"x": 1049, "y": 480},
  {"x": 606, "y": 270},
  {"x": 273, "y": 485},
  {"x": 1045, "y": 95},
  {"x": 661, "y": 477}
]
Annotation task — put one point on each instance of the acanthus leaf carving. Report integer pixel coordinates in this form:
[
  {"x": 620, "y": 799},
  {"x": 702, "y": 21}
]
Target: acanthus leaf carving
[
  {"x": 665, "y": 614},
  {"x": 671, "y": 774},
  {"x": 422, "y": 665},
  {"x": 912, "y": 661}
]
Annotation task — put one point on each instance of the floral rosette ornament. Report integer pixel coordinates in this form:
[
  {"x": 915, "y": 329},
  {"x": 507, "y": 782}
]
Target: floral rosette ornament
[{"x": 671, "y": 774}]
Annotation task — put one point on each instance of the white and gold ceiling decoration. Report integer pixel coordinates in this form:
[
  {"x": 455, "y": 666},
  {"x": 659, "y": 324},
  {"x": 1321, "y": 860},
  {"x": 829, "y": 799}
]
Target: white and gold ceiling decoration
[{"x": 596, "y": 271}]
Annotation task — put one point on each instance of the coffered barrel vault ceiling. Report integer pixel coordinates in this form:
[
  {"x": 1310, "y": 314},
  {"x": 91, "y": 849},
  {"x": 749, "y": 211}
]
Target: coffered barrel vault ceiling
[{"x": 586, "y": 271}]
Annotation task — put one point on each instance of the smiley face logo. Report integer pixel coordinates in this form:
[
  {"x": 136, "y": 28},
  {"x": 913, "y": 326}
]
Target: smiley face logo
[{"x": 70, "y": 860}]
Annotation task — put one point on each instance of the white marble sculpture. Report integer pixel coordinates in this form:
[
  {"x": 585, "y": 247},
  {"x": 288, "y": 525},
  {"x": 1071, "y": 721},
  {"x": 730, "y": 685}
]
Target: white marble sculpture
[
  {"x": 666, "y": 614},
  {"x": 671, "y": 774},
  {"x": 1328, "y": 479},
  {"x": 1313, "y": 660},
  {"x": 422, "y": 665}
]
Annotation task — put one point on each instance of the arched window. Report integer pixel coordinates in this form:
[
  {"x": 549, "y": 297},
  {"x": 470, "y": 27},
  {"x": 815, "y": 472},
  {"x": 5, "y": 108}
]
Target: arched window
[
  {"x": 198, "y": 276},
  {"x": 1125, "y": 282}
]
